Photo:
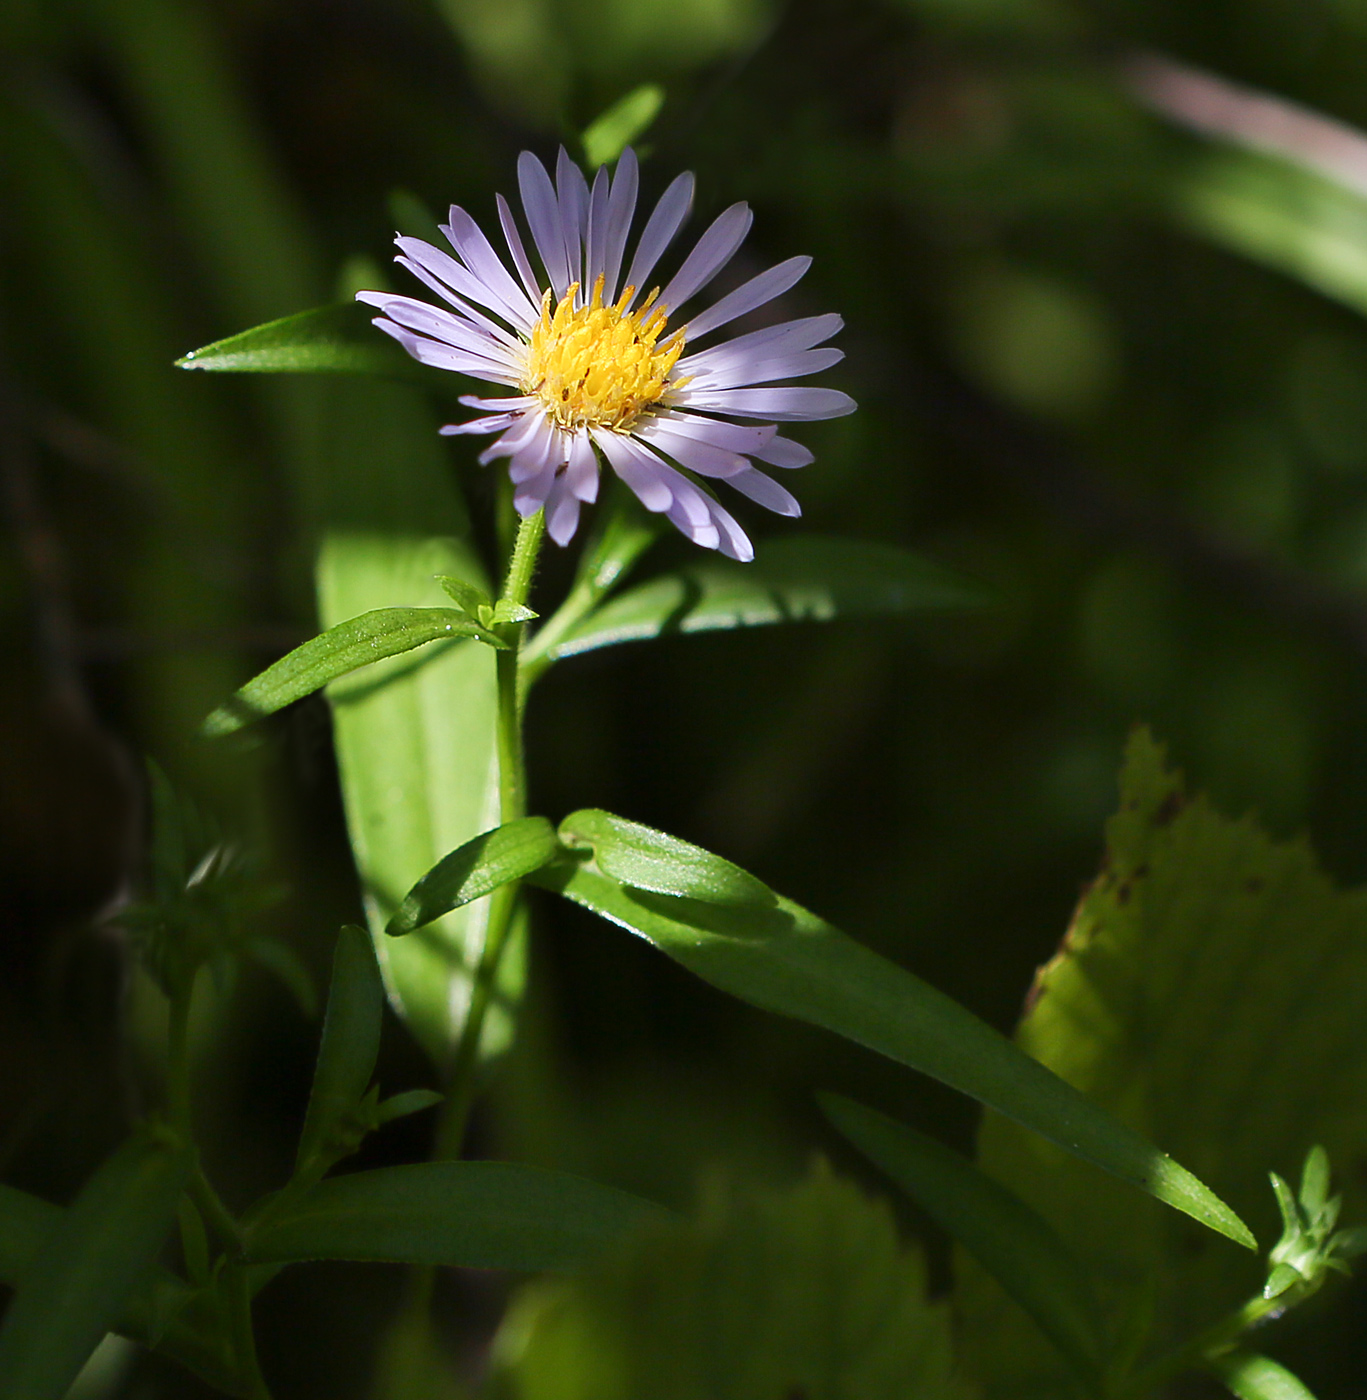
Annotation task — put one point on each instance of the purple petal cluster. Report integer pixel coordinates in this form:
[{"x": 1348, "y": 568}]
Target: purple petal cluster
[{"x": 504, "y": 326}]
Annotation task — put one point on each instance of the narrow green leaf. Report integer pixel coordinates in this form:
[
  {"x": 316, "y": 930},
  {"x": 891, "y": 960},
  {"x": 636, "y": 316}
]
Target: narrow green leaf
[
  {"x": 1254, "y": 1377},
  {"x": 798, "y": 579},
  {"x": 785, "y": 959},
  {"x": 624, "y": 122},
  {"x": 410, "y": 1101},
  {"x": 475, "y": 869},
  {"x": 371, "y": 637},
  {"x": 24, "y": 1223},
  {"x": 97, "y": 1255},
  {"x": 328, "y": 340},
  {"x": 1314, "y": 1192},
  {"x": 647, "y": 859},
  {"x": 479, "y": 1215},
  {"x": 1009, "y": 1239},
  {"x": 350, "y": 1042}
]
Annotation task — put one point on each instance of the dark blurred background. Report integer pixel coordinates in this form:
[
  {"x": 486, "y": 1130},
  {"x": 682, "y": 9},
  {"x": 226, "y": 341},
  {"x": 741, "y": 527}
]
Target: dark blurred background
[{"x": 1073, "y": 386}]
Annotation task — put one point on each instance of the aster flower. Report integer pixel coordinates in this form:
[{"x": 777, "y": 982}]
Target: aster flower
[{"x": 596, "y": 367}]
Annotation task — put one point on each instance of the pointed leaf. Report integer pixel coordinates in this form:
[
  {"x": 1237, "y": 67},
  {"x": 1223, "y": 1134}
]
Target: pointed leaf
[
  {"x": 1314, "y": 1192},
  {"x": 806, "y": 1293},
  {"x": 622, "y": 123},
  {"x": 478, "y": 1215},
  {"x": 787, "y": 960},
  {"x": 98, "y": 1254},
  {"x": 647, "y": 859},
  {"x": 372, "y": 637},
  {"x": 1179, "y": 1001},
  {"x": 1014, "y": 1243},
  {"x": 477, "y": 868},
  {"x": 350, "y": 1042},
  {"x": 410, "y": 1101},
  {"x": 329, "y": 340},
  {"x": 1253, "y": 1377},
  {"x": 799, "y": 579}
]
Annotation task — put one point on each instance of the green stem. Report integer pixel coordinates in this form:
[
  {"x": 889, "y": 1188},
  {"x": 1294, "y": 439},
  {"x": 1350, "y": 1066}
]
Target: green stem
[
  {"x": 244, "y": 1337},
  {"x": 512, "y": 796},
  {"x": 1213, "y": 1340}
]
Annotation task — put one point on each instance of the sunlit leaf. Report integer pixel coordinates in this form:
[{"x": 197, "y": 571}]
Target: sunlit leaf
[
  {"x": 622, "y": 123},
  {"x": 647, "y": 859},
  {"x": 327, "y": 340},
  {"x": 805, "y": 1294},
  {"x": 78, "y": 1285},
  {"x": 1253, "y": 1377},
  {"x": 479, "y": 1215},
  {"x": 799, "y": 579},
  {"x": 1181, "y": 1000},
  {"x": 477, "y": 868},
  {"x": 1011, "y": 1241},
  {"x": 360, "y": 641},
  {"x": 350, "y": 1043},
  {"x": 787, "y": 960}
]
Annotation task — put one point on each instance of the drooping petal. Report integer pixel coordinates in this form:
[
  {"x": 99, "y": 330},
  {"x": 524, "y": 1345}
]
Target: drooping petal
[
  {"x": 765, "y": 491},
  {"x": 494, "y": 423},
  {"x": 783, "y": 404},
  {"x": 499, "y": 405},
  {"x": 710, "y": 254},
  {"x": 522, "y": 432},
  {"x": 543, "y": 217},
  {"x": 665, "y": 221},
  {"x": 562, "y": 511},
  {"x": 582, "y": 471},
  {"x": 539, "y": 454},
  {"x": 749, "y": 296},
  {"x": 639, "y": 467},
  {"x": 784, "y": 452}
]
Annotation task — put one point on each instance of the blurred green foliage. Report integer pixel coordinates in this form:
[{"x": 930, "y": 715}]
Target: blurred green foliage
[{"x": 1110, "y": 367}]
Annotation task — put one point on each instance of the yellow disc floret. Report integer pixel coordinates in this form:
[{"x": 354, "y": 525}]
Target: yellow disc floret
[{"x": 600, "y": 366}]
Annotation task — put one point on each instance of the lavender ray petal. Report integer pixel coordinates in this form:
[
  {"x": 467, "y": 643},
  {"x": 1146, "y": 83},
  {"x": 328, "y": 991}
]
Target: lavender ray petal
[
  {"x": 701, "y": 532},
  {"x": 665, "y": 221},
  {"x": 738, "y": 370},
  {"x": 582, "y": 471},
  {"x": 596, "y": 237},
  {"x": 710, "y": 254},
  {"x": 768, "y": 341},
  {"x": 621, "y": 207},
  {"x": 735, "y": 437},
  {"x": 514, "y": 440},
  {"x": 784, "y": 452},
  {"x": 439, "y": 355},
  {"x": 543, "y": 217},
  {"x": 791, "y": 404},
  {"x": 440, "y": 325},
  {"x": 735, "y": 543},
  {"x": 562, "y": 512},
  {"x": 574, "y": 214},
  {"x": 749, "y": 296},
  {"x": 478, "y": 254},
  {"x": 691, "y": 452},
  {"x": 471, "y": 285},
  {"x": 498, "y": 405},
  {"x": 520, "y": 259},
  {"x": 471, "y": 313},
  {"x": 639, "y": 467},
  {"x": 765, "y": 491},
  {"x": 538, "y": 455},
  {"x": 492, "y": 424}
]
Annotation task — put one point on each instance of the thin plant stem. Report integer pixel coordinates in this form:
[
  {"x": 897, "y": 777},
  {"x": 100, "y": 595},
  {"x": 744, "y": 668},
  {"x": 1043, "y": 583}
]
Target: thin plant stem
[
  {"x": 512, "y": 793},
  {"x": 244, "y": 1336}
]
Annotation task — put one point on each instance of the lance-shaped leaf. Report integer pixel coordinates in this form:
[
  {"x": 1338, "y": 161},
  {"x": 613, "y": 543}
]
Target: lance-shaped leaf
[
  {"x": 97, "y": 1255},
  {"x": 1009, "y": 1239},
  {"x": 799, "y": 579},
  {"x": 373, "y": 636},
  {"x": 647, "y": 859},
  {"x": 478, "y": 1215},
  {"x": 1254, "y": 1377},
  {"x": 350, "y": 1042},
  {"x": 327, "y": 340},
  {"x": 477, "y": 868},
  {"x": 622, "y": 123},
  {"x": 785, "y": 959}
]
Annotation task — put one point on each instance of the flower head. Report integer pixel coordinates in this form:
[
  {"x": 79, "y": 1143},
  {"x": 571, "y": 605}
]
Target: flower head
[{"x": 604, "y": 363}]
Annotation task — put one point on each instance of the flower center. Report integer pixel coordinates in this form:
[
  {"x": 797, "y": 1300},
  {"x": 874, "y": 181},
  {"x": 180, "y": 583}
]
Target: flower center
[{"x": 600, "y": 366}]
